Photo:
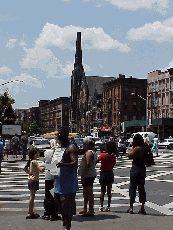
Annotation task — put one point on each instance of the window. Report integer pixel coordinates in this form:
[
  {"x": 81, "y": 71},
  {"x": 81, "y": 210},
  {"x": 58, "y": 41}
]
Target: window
[
  {"x": 125, "y": 104},
  {"x": 171, "y": 99},
  {"x": 135, "y": 90},
  {"x": 126, "y": 91},
  {"x": 125, "y": 117},
  {"x": 155, "y": 86},
  {"x": 134, "y": 104},
  {"x": 134, "y": 117}
]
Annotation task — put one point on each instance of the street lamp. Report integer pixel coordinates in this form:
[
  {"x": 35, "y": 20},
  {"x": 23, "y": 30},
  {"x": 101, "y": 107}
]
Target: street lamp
[
  {"x": 135, "y": 94},
  {"x": 11, "y": 81}
]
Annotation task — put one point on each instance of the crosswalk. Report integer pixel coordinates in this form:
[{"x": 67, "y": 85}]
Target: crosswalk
[{"x": 14, "y": 193}]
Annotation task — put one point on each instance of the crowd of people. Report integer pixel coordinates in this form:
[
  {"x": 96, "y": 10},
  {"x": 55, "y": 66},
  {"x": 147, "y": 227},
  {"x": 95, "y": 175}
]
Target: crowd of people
[
  {"x": 15, "y": 145},
  {"x": 61, "y": 187}
]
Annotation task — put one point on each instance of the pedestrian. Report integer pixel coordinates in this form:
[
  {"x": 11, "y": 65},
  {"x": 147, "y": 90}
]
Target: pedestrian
[
  {"x": 24, "y": 142},
  {"x": 33, "y": 180},
  {"x": 155, "y": 147},
  {"x": 108, "y": 160},
  {"x": 15, "y": 145},
  {"x": 66, "y": 183},
  {"x": 7, "y": 146},
  {"x": 49, "y": 206},
  {"x": 146, "y": 139},
  {"x": 1, "y": 153},
  {"x": 87, "y": 171},
  {"x": 137, "y": 173}
]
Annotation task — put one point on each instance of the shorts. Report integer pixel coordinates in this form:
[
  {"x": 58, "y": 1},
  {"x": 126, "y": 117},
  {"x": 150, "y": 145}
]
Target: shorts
[
  {"x": 66, "y": 204},
  {"x": 33, "y": 184},
  {"x": 15, "y": 148},
  {"x": 88, "y": 181},
  {"x": 106, "y": 177}
]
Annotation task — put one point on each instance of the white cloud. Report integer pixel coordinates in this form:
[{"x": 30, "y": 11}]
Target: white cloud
[
  {"x": 159, "y": 5},
  {"x": 64, "y": 38},
  {"x": 5, "y": 70},
  {"x": 28, "y": 80},
  {"x": 41, "y": 57},
  {"x": 11, "y": 43},
  {"x": 157, "y": 31}
]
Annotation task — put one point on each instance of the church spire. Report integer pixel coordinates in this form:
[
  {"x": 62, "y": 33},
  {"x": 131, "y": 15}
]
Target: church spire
[{"x": 78, "y": 55}]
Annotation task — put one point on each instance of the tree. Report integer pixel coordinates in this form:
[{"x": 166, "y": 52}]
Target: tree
[{"x": 7, "y": 113}]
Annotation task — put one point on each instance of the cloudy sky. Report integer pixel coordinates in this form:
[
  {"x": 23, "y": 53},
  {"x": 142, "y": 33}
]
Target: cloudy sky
[{"x": 37, "y": 42}]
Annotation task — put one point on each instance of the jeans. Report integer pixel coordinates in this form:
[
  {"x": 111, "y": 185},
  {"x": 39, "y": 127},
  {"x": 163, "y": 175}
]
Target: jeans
[
  {"x": 137, "y": 179},
  {"x": 49, "y": 200}
]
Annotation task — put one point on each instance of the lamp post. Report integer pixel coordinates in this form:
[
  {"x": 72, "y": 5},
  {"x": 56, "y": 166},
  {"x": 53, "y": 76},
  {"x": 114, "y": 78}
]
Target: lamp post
[
  {"x": 135, "y": 94},
  {"x": 11, "y": 81}
]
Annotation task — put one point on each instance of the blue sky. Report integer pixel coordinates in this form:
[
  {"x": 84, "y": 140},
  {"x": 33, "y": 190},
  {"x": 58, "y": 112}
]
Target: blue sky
[{"x": 38, "y": 38}]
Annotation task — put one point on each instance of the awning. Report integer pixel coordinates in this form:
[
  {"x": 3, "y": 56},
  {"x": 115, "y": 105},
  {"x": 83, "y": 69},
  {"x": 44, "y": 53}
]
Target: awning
[{"x": 105, "y": 129}]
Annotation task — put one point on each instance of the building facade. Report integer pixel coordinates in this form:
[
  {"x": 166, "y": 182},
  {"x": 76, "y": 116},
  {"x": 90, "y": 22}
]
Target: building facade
[
  {"x": 54, "y": 113},
  {"x": 160, "y": 102},
  {"x": 124, "y": 104}
]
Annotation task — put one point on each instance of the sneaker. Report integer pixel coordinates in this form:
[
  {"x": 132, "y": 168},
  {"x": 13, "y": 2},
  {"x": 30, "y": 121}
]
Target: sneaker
[
  {"x": 101, "y": 209},
  {"x": 107, "y": 209},
  {"x": 82, "y": 212}
]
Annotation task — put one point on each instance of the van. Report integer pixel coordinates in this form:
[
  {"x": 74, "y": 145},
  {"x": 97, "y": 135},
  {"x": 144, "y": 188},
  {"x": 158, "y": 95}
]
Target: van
[{"x": 151, "y": 136}]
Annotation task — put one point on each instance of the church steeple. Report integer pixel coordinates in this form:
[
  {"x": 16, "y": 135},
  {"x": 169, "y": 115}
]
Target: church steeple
[
  {"x": 76, "y": 79},
  {"x": 78, "y": 55}
]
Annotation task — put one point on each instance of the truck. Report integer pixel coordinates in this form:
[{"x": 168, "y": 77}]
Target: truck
[{"x": 151, "y": 136}]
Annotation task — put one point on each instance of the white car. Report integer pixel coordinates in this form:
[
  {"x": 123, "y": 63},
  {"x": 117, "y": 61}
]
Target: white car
[
  {"x": 167, "y": 143},
  {"x": 98, "y": 143},
  {"x": 41, "y": 145}
]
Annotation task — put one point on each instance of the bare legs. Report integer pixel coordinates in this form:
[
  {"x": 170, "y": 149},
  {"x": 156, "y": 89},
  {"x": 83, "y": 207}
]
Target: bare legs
[
  {"x": 103, "y": 191},
  {"x": 88, "y": 196},
  {"x": 31, "y": 201}
]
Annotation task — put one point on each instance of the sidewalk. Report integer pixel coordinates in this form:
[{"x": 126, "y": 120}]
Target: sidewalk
[{"x": 101, "y": 221}]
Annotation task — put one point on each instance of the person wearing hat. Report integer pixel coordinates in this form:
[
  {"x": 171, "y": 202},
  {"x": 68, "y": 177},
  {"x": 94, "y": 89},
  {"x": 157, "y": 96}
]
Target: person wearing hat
[{"x": 87, "y": 171}]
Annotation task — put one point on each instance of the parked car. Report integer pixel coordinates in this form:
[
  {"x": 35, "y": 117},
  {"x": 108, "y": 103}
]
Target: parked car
[
  {"x": 98, "y": 143},
  {"x": 167, "y": 143},
  {"x": 42, "y": 145}
]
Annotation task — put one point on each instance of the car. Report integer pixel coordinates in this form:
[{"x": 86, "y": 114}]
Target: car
[
  {"x": 167, "y": 143},
  {"x": 41, "y": 145},
  {"x": 79, "y": 143},
  {"x": 98, "y": 143}
]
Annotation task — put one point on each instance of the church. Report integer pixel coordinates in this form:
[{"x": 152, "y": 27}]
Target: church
[{"x": 86, "y": 96}]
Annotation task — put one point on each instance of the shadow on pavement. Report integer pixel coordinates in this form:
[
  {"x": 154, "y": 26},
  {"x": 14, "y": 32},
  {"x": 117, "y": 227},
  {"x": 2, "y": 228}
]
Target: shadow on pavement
[{"x": 97, "y": 217}]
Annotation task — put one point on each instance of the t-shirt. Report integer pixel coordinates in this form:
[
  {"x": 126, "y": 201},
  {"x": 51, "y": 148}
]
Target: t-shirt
[{"x": 107, "y": 161}]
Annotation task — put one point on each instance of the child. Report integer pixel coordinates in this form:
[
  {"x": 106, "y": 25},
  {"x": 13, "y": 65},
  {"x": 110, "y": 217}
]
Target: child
[
  {"x": 33, "y": 180},
  {"x": 108, "y": 160}
]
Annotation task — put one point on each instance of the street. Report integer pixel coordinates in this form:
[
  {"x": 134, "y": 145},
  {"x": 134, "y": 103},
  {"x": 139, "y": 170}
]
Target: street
[{"x": 14, "y": 196}]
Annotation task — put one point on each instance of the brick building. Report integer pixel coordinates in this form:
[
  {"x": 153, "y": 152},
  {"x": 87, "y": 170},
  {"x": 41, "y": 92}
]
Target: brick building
[
  {"x": 54, "y": 113},
  {"x": 160, "y": 102},
  {"x": 122, "y": 110}
]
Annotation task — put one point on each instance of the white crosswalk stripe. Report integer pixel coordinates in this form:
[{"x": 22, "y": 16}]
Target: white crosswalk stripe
[{"x": 14, "y": 193}]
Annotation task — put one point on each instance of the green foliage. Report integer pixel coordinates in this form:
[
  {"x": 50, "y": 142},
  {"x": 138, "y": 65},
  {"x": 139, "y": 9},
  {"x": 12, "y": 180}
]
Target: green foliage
[{"x": 7, "y": 113}]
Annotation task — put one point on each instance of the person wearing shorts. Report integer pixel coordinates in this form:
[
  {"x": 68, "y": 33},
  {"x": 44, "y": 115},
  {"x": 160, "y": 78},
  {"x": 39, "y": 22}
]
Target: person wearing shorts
[
  {"x": 108, "y": 160},
  {"x": 33, "y": 180},
  {"x": 87, "y": 171}
]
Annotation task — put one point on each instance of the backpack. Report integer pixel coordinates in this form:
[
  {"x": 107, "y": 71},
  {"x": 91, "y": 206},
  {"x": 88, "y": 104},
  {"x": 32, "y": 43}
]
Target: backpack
[{"x": 149, "y": 160}]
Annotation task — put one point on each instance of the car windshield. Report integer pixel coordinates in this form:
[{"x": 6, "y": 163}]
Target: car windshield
[
  {"x": 78, "y": 141},
  {"x": 97, "y": 139},
  {"x": 41, "y": 142}
]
